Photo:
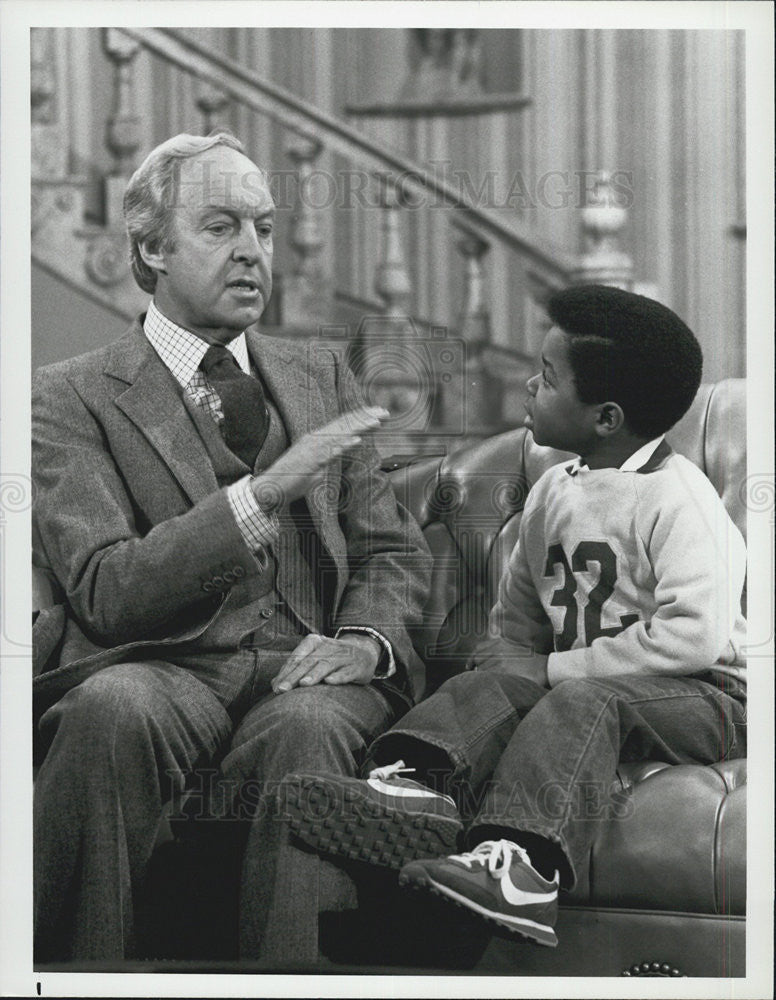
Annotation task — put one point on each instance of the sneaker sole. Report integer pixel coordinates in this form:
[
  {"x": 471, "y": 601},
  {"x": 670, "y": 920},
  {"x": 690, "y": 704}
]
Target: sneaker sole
[
  {"x": 347, "y": 822},
  {"x": 540, "y": 933}
]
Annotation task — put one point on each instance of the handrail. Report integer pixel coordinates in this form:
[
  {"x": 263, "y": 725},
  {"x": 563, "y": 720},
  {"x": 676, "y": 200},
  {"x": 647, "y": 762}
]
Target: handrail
[{"x": 282, "y": 106}]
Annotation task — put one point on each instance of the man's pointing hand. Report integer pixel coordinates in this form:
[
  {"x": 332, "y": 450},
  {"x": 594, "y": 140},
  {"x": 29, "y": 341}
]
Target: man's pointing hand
[{"x": 303, "y": 465}]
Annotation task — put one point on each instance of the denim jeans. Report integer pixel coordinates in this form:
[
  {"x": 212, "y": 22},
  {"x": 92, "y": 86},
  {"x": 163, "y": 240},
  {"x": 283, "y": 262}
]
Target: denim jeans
[
  {"x": 526, "y": 759},
  {"x": 134, "y": 735}
]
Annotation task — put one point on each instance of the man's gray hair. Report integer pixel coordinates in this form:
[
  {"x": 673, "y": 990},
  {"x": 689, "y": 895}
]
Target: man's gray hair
[{"x": 148, "y": 200}]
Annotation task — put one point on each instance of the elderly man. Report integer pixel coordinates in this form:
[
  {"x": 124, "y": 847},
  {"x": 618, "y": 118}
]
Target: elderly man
[{"x": 235, "y": 575}]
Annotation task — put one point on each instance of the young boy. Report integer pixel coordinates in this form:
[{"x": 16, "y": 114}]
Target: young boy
[{"x": 616, "y": 636}]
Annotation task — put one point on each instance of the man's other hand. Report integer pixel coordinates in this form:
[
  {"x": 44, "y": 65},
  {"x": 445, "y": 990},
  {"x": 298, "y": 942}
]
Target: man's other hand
[
  {"x": 303, "y": 465},
  {"x": 350, "y": 659}
]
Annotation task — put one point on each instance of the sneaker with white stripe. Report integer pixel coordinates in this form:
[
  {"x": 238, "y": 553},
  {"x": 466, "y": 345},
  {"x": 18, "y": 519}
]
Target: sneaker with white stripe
[
  {"x": 384, "y": 819},
  {"x": 497, "y": 881}
]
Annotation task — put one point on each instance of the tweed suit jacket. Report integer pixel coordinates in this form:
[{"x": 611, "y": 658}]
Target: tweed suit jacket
[{"x": 141, "y": 544}]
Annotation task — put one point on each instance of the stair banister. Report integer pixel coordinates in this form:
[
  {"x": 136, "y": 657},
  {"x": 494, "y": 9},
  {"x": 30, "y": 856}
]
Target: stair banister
[{"x": 281, "y": 105}]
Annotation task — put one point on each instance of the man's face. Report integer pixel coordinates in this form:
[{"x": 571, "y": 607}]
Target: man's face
[
  {"x": 215, "y": 276},
  {"x": 556, "y": 416}
]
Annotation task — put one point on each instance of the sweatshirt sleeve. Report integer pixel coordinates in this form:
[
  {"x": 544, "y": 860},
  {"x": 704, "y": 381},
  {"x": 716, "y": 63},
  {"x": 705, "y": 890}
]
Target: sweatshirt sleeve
[
  {"x": 698, "y": 558},
  {"x": 518, "y": 626}
]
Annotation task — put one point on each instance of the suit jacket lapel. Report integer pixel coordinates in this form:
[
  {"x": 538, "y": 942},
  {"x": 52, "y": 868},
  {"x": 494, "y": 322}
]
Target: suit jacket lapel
[
  {"x": 152, "y": 401},
  {"x": 298, "y": 397},
  {"x": 294, "y": 389}
]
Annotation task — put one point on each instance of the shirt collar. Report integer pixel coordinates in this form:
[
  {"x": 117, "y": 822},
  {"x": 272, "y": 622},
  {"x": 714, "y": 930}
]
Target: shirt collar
[
  {"x": 633, "y": 463},
  {"x": 641, "y": 456},
  {"x": 181, "y": 350}
]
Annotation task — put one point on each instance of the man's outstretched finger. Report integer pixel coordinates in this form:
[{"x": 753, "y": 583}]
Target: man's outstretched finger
[
  {"x": 332, "y": 447},
  {"x": 356, "y": 421}
]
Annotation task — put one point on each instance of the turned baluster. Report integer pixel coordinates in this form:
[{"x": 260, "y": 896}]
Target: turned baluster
[
  {"x": 42, "y": 84},
  {"x": 394, "y": 363},
  {"x": 305, "y": 238},
  {"x": 49, "y": 146},
  {"x": 603, "y": 219},
  {"x": 473, "y": 322},
  {"x": 392, "y": 280},
  {"x": 305, "y": 291},
  {"x": 123, "y": 126},
  {"x": 106, "y": 256},
  {"x": 211, "y": 100},
  {"x": 474, "y": 384}
]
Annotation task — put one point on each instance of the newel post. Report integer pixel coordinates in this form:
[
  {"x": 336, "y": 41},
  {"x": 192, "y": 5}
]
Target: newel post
[{"x": 603, "y": 262}]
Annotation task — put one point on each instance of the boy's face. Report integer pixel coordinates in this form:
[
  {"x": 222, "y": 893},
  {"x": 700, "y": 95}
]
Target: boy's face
[{"x": 556, "y": 416}]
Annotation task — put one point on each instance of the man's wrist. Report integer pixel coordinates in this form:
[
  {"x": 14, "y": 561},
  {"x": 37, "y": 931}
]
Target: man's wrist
[
  {"x": 366, "y": 642},
  {"x": 258, "y": 528},
  {"x": 386, "y": 664},
  {"x": 267, "y": 494}
]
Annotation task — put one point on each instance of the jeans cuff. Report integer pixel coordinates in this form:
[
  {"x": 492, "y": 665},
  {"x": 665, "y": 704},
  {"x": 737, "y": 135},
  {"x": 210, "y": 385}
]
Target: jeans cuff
[
  {"x": 380, "y": 753},
  {"x": 568, "y": 877}
]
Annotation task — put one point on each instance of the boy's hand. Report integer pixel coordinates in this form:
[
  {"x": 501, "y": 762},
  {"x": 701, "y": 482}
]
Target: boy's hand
[
  {"x": 533, "y": 667},
  {"x": 523, "y": 663}
]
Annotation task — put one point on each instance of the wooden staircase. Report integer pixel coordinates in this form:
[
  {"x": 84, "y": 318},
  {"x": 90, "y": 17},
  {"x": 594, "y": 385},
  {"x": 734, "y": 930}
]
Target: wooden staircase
[{"x": 446, "y": 384}]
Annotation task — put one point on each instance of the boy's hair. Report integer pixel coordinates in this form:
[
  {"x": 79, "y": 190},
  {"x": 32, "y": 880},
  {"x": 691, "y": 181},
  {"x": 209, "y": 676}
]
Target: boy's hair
[{"x": 628, "y": 349}]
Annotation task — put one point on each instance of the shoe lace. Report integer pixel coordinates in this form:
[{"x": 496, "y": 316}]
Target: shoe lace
[
  {"x": 497, "y": 854},
  {"x": 385, "y": 772}
]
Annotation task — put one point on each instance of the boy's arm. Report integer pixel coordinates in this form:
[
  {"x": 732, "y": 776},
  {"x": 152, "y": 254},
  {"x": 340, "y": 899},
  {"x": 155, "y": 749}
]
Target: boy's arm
[
  {"x": 698, "y": 558},
  {"x": 519, "y": 631}
]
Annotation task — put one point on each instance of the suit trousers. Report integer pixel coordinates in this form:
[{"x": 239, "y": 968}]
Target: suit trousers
[
  {"x": 521, "y": 759},
  {"x": 135, "y": 735}
]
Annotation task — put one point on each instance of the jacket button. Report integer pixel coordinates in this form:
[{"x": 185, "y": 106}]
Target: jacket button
[
  {"x": 208, "y": 587},
  {"x": 267, "y": 612},
  {"x": 228, "y": 577},
  {"x": 218, "y": 581},
  {"x": 239, "y": 572}
]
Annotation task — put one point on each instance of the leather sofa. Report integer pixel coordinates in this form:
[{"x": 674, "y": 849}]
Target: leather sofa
[{"x": 664, "y": 890}]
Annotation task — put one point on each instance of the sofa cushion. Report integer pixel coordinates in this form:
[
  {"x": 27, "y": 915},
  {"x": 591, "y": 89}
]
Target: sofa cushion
[{"x": 695, "y": 864}]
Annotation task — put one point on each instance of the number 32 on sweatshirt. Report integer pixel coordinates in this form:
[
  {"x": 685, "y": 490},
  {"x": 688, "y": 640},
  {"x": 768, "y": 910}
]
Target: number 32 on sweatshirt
[{"x": 587, "y": 555}]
